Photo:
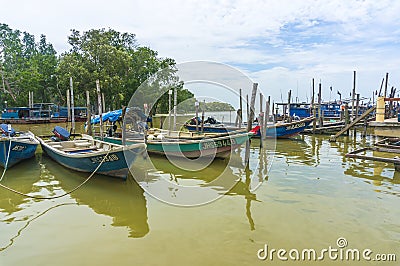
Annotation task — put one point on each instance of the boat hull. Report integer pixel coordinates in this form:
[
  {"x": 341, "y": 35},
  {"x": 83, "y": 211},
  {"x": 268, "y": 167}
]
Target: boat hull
[
  {"x": 219, "y": 147},
  {"x": 284, "y": 130},
  {"x": 113, "y": 163},
  {"x": 21, "y": 149}
]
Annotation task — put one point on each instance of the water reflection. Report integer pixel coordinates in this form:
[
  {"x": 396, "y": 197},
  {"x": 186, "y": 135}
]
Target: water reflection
[
  {"x": 217, "y": 178},
  {"x": 124, "y": 201},
  {"x": 27, "y": 178}
]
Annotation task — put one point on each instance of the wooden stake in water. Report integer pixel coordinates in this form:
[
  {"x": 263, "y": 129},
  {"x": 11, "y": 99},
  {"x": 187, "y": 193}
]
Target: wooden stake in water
[
  {"x": 88, "y": 114},
  {"x": 320, "y": 119},
  {"x": 266, "y": 118},
  {"x": 175, "y": 105},
  {"x": 353, "y": 95},
  {"x": 252, "y": 104},
  {"x": 202, "y": 116},
  {"x": 68, "y": 107},
  {"x": 100, "y": 107},
  {"x": 314, "y": 111},
  {"x": 288, "y": 106},
  {"x": 261, "y": 120},
  {"x": 169, "y": 110},
  {"x": 72, "y": 105},
  {"x": 196, "y": 103}
]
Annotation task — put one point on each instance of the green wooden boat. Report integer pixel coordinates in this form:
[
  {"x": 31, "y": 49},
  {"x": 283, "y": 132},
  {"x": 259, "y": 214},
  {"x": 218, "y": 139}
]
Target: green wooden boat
[{"x": 189, "y": 144}]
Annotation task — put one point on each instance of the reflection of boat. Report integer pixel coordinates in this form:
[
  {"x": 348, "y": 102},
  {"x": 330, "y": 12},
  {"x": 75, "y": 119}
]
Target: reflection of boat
[
  {"x": 85, "y": 154},
  {"x": 15, "y": 146},
  {"x": 123, "y": 201},
  {"x": 293, "y": 151},
  {"x": 219, "y": 174},
  {"x": 277, "y": 130},
  {"x": 209, "y": 183}
]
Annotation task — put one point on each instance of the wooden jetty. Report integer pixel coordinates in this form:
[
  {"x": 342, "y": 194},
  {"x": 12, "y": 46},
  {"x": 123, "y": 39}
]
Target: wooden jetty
[{"x": 385, "y": 127}]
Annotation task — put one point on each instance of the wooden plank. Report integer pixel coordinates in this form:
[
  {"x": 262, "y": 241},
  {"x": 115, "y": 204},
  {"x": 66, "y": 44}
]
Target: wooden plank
[{"x": 333, "y": 138}]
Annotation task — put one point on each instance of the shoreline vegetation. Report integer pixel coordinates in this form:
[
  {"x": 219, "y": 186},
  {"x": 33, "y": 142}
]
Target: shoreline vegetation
[{"x": 116, "y": 59}]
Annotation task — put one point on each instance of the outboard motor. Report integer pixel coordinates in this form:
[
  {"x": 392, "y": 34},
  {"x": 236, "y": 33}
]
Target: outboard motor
[
  {"x": 61, "y": 133},
  {"x": 7, "y": 130}
]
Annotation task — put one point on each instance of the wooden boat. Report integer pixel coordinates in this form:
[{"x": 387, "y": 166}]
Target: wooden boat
[
  {"x": 195, "y": 145},
  {"x": 188, "y": 144},
  {"x": 15, "y": 146},
  {"x": 277, "y": 130},
  {"x": 84, "y": 154}
]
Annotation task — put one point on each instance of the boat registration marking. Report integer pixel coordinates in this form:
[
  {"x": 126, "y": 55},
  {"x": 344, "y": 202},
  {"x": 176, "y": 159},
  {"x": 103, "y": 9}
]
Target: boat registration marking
[
  {"x": 18, "y": 148},
  {"x": 109, "y": 158},
  {"x": 299, "y": 125},
  {"x": 217, "y": 144}
]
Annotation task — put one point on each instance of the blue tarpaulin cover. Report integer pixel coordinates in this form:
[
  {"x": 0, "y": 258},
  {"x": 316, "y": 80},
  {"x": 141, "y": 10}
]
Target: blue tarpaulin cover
[{"x": 113, "y": 116}]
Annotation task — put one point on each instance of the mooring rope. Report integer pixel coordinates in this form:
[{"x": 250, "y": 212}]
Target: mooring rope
[
  {"x": 66, "y": 193},
  {"x": 6, "y": 164},
  {"x": 31, "y": 220}
]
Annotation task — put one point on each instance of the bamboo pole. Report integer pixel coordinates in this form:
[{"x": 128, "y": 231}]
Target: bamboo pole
[
  {"x": 266, "y": 118},
  {"x": 320, "y": 119},
  {"x": 288, "y": 106},
  {"x": 68, "y": 107},
  {"x": 197, "y": 115},
  {"x": 261, "y": 120},
  {"x": 169, "y": 111},
  {"x": 100, "y": 107},
  {"x": 252, "y": 104},
  {"x": 175, "y": 105},
  {"x": 314, "y": 111},
  {"x": 386, "y": 84},
  {"x": 72, "y": 106},
  {"x": 88, "y": 114},
  {"x": 202, "y": 116},
  {"x": 353, "y": 95}
]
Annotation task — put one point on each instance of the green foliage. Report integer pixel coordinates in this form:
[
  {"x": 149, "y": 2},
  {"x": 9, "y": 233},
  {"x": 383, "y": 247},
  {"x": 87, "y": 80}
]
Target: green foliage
[
  {"x": 114, "y": 58},
  {"x": 25, "y": 66}
]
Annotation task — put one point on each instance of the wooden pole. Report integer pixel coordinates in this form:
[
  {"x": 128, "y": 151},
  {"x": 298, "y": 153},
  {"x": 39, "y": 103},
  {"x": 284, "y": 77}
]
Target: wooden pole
[
  {"x": 288, "y": 106},
  {"x": 169, "y": 110},
  {"x": 202, "y": 116},
  {"x": 274, "y": 116},
  {"x": 261, "y": 120},
  {"x": 241, "y": 109},
  {"x": 197, "y": 115},
  {"x": 72, "y": 105},
  {"x": 266, "y": 118},
  {"x": 314, "y": 113},
  {"x": 357, "y": 104},
  {"x": 68, "y": 107},
  {"x": 88, "y": 114},
  {"x": 175, "y": 105},
  {"x": 99, "y": 102},
  {"x": 247, "y": 108},
  {"x": 386, "y": 84},
  {"x": 252, "y": 104},
  {"x": 353, "y": 95},
  {"x": 320, "y": 119},
  {"x": 103, "y": 103}
]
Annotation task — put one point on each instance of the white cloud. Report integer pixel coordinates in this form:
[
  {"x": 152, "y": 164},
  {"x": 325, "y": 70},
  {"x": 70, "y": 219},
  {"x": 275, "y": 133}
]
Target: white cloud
[{"x": 283, "y": 44}]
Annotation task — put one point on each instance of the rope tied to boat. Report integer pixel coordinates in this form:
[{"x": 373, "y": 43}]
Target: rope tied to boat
[
  {"x": 6, "y": 164},
  {"x": 62, "y": 195}
]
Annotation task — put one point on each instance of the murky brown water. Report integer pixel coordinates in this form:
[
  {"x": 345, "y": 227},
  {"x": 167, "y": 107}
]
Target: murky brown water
[{"x": 311, "y": 196}]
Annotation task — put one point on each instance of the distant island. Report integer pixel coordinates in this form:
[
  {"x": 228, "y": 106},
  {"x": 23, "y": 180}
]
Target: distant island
[{"x": 189, "y": 106}]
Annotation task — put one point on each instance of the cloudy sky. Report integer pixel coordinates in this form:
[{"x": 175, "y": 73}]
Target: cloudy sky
[{"x": 281, "y": 44}]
